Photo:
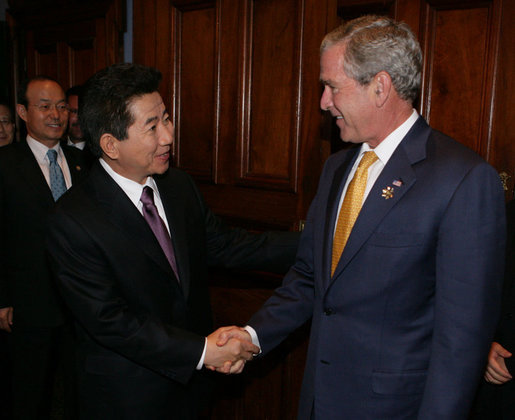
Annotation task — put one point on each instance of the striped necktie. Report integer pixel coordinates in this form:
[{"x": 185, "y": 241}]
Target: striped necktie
[{"x": 57, "y": 183}]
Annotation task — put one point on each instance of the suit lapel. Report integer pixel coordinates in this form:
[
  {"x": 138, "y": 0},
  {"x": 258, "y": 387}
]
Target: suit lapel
[
  {"x": 122, "y": 213},
  {"x": 340, "y": 176},
  {"x": 29, "y": 169},
  {"x": 74, "y": 165},
  {"x": 175, "y": 215},
  {"x": 397, "y": 178}
]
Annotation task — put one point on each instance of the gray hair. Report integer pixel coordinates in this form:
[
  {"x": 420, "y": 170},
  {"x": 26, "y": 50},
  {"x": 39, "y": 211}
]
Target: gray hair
[{"x": 377, "y": 43}]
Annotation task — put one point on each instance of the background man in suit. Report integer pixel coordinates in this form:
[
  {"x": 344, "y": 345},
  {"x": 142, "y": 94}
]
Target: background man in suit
[
  {"x": 404, "y": 300},
  {"x": 496, "y": 396},
  {"x": 74, "y": 133},
  {"x": 33, "y": 174},
  {"x": 7, "y": 127},
  {"x": 74, "y": 136},
  {"x": 139, "y": 291}
]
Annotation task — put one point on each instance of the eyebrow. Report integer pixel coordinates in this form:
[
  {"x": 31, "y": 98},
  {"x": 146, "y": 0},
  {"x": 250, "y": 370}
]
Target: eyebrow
[
  {"x": 48, "y": 100},
  {"x": 152, "y": 119}
]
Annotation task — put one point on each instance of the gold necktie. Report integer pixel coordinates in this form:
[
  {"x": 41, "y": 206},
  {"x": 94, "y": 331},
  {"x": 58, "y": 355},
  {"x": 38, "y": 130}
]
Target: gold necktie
[{"x": 351, "y": 207}]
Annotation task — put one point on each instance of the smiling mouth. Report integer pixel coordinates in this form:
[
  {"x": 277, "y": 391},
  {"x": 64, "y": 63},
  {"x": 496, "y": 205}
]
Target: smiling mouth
[{"x": 339, "y": 117}]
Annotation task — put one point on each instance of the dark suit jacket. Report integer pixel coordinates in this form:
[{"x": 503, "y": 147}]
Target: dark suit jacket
[
  {"x": 142, "y": 331},
  {"x": 25, "y": 201},
  {"x": 506, "y": 331},
  {"x": 402, "y": 329},
  {"x": 495, "y": 402}
]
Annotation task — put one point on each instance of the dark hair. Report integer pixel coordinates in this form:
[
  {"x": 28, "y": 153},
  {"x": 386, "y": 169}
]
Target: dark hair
[
  {"x": 104, "y": 105},
  {"x": 5, "y": 102},
  {"x": 74, "y": 91},
  {"x": 22, "y": 89}
]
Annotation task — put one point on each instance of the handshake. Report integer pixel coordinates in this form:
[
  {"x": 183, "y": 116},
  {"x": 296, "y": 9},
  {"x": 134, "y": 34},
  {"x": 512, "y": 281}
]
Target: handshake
[{"x": 228, "y": 349}]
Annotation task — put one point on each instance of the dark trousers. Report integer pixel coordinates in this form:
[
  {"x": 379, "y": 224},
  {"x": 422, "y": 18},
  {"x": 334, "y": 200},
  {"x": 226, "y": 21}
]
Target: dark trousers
[
  {"x": 37, "y": 355},
  {"x": 5, "y": 377},
  {"x": 494, "y": 402}
]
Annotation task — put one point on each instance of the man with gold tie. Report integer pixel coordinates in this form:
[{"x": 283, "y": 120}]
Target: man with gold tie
[{"x": 400, "y": 263}]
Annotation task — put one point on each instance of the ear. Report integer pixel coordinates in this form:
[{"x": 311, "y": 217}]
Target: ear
[
  {"x": 109, "y": 145},
  {"x": 382, "y": 88},
  {"x": 21, "y": 111}
]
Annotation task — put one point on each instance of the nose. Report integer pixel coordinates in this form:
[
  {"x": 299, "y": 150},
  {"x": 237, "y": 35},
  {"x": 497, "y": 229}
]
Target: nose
[
  {"x": 326, "y": 101},
  {"x": 54, "y": 113},
  {"x": 167, "y": 134}
]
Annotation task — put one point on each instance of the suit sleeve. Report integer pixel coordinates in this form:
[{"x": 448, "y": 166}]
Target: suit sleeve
[
  {"x": 506, "y": 331},
  {"x": 469, "y": 272},
  {"x": 292, "y": 304},
  {"x": 90, "y": 288},
  {"x": 236, "y": 248},
  {"x": 5, "y": 300}
]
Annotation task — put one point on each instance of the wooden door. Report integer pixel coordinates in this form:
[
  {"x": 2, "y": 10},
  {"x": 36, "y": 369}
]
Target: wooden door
[{"x": 66, "y": 40}]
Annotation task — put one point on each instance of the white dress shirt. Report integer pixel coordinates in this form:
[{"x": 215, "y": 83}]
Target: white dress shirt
[
  {"x": 39, "y": 150},
  {"x": 79, "y": 145}
]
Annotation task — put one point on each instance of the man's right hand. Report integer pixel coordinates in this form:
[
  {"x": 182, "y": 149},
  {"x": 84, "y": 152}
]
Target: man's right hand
[
  {"x": 6, "y": 318},
  {"x": 231, "y": 357}
]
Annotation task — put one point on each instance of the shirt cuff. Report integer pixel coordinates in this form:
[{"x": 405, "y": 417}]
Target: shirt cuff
[
  {"x": 201, "y": 362},
  {"x": 253, "y": 335}
]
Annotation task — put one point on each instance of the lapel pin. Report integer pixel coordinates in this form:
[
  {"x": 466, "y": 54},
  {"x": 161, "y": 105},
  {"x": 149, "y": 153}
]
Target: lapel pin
[
  {"x": 78, "y": 168},
  {"x": 387, "y": 193},
  {"x": 397, "y": 182}
]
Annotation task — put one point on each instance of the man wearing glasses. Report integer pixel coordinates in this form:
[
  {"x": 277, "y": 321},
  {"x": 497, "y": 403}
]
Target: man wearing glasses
[{"x": 33, "y": 175}]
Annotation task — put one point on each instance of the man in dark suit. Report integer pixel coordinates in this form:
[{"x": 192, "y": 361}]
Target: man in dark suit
[
  {"x": 496, "y": 396},
  {"x": 33, "y": 174},
  {"x": 404, "y": 299},
  {"x": 74, "y": 136},
  {"x": 139, "y": 291}
]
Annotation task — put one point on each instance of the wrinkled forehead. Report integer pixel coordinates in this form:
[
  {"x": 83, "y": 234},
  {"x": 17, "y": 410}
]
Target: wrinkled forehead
[
  {"x": 5, "y": 112},
  {"x": 45, "y": 90}
]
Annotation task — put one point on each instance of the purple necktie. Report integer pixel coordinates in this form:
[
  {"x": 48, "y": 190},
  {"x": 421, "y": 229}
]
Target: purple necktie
[{"x": 157, "y": 225}]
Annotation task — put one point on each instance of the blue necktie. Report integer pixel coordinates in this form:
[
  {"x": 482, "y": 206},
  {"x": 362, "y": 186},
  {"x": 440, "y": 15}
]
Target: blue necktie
[
  {"x": 57, "y": 184},
  {"x": 157, "y": 225}
]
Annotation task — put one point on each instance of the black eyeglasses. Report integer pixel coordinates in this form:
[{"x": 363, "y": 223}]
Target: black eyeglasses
[{"x": 45, "y": 108}]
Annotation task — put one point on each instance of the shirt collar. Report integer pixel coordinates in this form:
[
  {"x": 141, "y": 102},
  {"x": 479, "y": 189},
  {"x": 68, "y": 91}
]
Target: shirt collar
[
  {"x": 40, "y": 150},
  {"x": 130, "y": 187},
  {"x": 385, "y": 149}
]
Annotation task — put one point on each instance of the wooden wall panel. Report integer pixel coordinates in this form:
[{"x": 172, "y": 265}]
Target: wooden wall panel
[
  {"x": 69, "y": 44},
  {"x": 458, "y": 81},
  {"x": 196, "y": 129},
  {"x": 82, "y": 61},
  {"x": 271, "y": 92},
  {"x": 502, "y": 141}
]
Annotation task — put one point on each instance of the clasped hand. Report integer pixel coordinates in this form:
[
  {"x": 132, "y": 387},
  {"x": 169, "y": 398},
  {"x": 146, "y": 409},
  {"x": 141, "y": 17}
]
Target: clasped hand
[{"x": 228, "y": 349}]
